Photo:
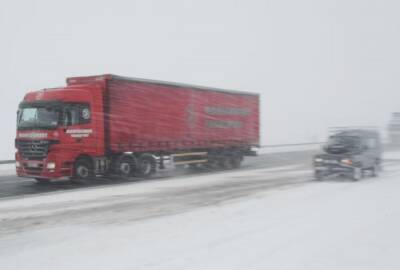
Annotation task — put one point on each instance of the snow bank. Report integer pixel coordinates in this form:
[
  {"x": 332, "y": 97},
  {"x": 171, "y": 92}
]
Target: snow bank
[
  {"x": 59, "y": 202},
  {"x": 391, "y": 155},
  {"x": 7, "y": 169}
]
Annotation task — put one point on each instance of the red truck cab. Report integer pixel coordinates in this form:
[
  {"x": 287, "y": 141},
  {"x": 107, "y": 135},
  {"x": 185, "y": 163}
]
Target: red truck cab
[{"x": 55, "y": 126}]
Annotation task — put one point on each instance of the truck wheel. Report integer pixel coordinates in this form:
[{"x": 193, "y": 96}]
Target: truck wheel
[
  {"x": 357, "y": 174},
  {"x": 42, "y": 181},
  {"x": 375, "y": 170},
  {"x": 83, "y": 170},
  {"x": 147, "y": 165},
  {"x": 126, "y": 166}
]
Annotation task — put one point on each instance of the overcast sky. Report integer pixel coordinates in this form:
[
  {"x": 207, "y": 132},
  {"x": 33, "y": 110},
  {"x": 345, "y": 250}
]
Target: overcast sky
[{"x": 316, "y": 63}]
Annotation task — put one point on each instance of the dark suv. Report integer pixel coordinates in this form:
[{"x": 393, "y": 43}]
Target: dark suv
[{"x": 350, "y": 153}]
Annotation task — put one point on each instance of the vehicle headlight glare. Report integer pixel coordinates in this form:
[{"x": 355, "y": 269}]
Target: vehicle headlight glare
[
  {"x": 318, "y": 160},
  {"x": 347, "y": 161}
]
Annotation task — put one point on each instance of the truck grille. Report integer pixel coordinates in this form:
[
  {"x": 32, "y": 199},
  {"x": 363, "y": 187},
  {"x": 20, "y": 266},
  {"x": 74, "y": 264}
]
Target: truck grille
[
  {"x": 33, "y": 150},
  {"x": 33, "y": 170}
]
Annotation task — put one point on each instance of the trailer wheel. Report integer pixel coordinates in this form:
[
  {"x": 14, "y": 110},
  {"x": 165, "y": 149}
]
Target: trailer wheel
[
  {"x": 225, "y": 162},
  {"x": 83, "y": 170},
  {"x": 146, "y": 165}
]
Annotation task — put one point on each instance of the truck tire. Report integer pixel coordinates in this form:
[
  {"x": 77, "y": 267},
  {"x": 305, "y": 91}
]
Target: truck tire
[
  {"x": 83, "y": 170},
  {"x": 126, "y": 166},
  {"x": 146, "y": 166}
]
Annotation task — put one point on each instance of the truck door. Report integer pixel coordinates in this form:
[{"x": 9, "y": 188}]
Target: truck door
[{"x": 77, "y": 128}]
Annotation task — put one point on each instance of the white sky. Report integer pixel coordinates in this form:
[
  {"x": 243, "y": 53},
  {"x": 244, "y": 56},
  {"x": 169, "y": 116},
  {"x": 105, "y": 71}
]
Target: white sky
[{"x": 316, "y": 63}]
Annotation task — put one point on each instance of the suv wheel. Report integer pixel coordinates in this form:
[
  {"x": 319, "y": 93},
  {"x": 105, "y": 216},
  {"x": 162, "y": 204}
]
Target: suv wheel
[
  {"x": 357, "y": 174},
  {"x": 375, "y": 170},
  {"x": 319, "y": 175}
]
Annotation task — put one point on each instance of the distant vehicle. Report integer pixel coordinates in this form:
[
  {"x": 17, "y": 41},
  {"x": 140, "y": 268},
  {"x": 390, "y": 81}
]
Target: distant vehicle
[
  {"x": 394, "y": 129},
  {"x": 349, "y": 152},
  {"x": 113, "y": 125}
]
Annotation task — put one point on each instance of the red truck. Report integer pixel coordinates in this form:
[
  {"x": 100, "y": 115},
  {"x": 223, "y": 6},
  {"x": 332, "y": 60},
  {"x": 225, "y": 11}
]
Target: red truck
[{"x": 113, "y": 125}]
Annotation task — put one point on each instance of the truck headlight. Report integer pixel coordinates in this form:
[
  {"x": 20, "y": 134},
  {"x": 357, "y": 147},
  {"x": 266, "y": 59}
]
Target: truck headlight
[
  {"x": 51, "y": 165},
  {"x": 347, "y": 161},
  {"x": 17, "y": 164}
]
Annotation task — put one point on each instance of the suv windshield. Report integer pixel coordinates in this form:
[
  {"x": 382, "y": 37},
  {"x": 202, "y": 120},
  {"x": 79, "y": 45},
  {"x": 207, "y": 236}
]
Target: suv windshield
[{"x": 343, "y": 144}]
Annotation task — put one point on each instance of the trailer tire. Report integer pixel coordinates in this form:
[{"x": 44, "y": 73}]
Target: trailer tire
[
  {"x": 225, "y": 162},
  {"x": 83, "y": 170},
  {"x": 146, "y": 166}
]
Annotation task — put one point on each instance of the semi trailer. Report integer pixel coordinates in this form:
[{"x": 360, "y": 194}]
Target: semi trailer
[{"x": 113, "y": 125}]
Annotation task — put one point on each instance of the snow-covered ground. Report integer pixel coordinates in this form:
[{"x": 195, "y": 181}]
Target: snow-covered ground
[
  {"x": 314, "y": 225},
  {"x": 7, "y": 169}
]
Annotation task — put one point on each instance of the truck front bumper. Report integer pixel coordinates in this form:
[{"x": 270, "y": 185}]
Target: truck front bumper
[
  {"x": 337, "y": 169},
  {"x": 42, "y": 169}
]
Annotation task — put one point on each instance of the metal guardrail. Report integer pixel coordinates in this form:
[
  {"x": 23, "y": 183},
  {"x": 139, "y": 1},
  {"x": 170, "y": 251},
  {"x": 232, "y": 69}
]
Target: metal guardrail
[
  {"x": 7, "y": 162},
  {"x": 262, "y": 146}
]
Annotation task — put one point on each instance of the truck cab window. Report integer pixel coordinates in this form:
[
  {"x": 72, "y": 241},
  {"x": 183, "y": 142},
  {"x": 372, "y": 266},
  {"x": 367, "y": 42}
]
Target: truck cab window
[{"x": 76, "y": 114}]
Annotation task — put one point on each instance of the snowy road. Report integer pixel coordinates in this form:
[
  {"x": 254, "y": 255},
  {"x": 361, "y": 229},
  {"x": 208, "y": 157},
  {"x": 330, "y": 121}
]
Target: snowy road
[
  {"x": 10, "y": 185},
  {"x": 261, "y": 217}
]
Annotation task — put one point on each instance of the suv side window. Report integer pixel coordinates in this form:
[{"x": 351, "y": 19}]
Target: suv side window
[{"x": 76, "y": 114}]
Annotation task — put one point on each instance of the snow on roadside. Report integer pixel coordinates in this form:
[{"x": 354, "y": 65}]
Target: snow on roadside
[
  {"x": 7, "y": 169},
  {"x": 322, "y": 225},
  {"x": 57, "y": 202},
  {"x": 391, "y": 155}
]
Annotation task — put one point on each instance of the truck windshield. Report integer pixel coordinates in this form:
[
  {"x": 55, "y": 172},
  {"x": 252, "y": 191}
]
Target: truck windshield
[
  {"x": 49, "y": 116},
  {"x": 38, "y": 117}
]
